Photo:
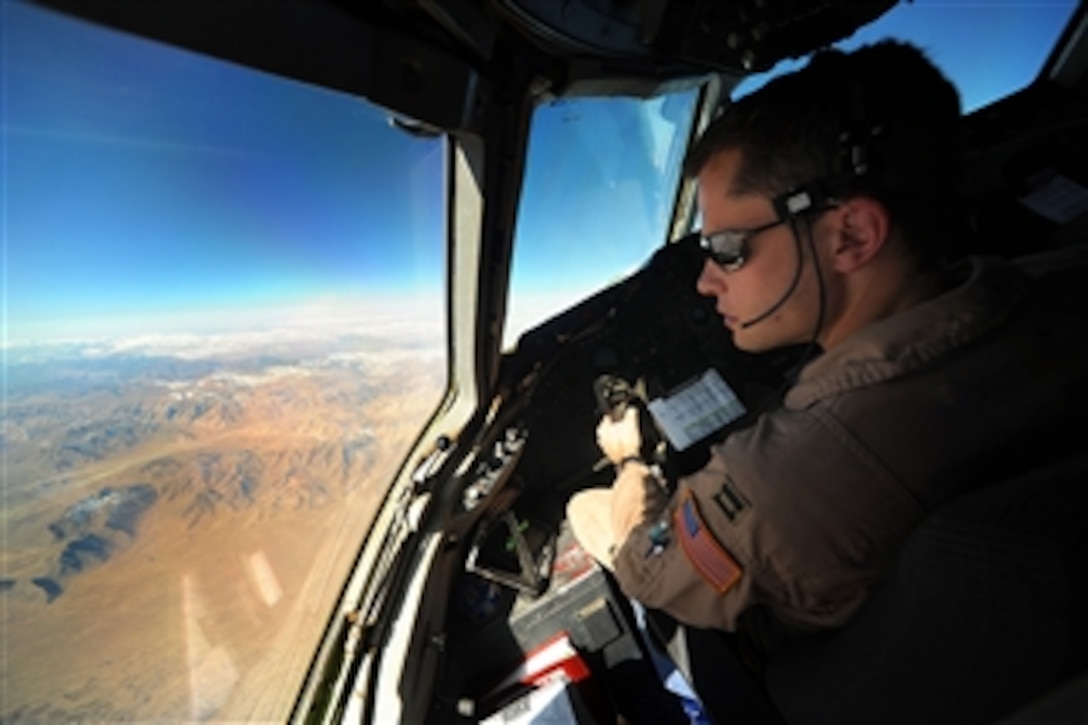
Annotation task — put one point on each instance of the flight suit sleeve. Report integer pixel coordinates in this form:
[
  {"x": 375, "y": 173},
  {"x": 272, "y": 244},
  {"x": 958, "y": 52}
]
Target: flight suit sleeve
[
  {"x": 790, "y": 513},
  {"x": 653, "y": 566}
]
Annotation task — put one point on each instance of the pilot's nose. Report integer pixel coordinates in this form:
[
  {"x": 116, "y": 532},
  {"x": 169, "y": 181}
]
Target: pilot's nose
[{"x": 711, "y": 281}]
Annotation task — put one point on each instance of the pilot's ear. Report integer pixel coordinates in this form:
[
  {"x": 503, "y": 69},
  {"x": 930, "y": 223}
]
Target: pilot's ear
[{"x": 863, "y": 228}]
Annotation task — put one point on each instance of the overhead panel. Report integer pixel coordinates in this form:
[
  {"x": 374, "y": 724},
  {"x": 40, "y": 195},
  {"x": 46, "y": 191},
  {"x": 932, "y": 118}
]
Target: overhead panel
[{"x": 737, "y": 37}]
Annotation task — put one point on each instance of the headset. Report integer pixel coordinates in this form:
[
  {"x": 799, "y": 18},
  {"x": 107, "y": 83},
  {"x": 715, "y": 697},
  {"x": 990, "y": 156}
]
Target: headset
[{"x": 856, "y": 162}]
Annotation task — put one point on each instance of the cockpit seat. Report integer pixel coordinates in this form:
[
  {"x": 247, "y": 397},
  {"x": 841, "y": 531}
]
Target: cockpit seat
[{"x": 986, "y": 612}]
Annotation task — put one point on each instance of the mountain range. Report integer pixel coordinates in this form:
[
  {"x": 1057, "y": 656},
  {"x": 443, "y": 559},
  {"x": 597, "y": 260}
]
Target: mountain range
[{"x": 138, "y": 485}]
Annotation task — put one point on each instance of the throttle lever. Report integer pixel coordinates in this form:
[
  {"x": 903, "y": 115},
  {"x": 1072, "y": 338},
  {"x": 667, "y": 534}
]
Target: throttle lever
[{"x": 613, "y": 395}]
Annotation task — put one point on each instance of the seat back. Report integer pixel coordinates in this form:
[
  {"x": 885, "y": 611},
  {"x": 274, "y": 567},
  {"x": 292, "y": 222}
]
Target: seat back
[{"x": 985, "y": 612}]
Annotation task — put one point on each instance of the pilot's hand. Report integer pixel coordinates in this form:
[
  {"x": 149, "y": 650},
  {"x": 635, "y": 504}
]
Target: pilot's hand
[{"x": 620, "y": 439}]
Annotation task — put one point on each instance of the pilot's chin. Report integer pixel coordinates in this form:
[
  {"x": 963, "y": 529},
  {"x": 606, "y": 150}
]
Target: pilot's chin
[
  {"x": 751, "y": 341},
  {"x": 741, "y": 339}
]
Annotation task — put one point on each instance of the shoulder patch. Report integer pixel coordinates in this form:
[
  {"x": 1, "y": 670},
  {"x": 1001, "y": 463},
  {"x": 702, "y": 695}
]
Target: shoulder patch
[{"x": 710, "y": 559}]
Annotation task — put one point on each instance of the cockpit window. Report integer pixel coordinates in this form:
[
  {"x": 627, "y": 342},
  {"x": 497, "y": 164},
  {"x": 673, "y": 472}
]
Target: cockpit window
[
  {"x": 601, "y": 174},
  {"x": 600, "y": 184},
  {"x": 224, "y": 326},
  {"x": 988, "y": 49}
]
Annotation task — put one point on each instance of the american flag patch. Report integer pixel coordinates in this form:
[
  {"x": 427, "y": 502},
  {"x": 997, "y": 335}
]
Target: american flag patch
[{"x": 713, "y": 562}]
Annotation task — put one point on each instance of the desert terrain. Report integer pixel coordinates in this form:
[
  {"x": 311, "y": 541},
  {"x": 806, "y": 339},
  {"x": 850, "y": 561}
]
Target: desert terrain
[{"x": 178, "y": 520}]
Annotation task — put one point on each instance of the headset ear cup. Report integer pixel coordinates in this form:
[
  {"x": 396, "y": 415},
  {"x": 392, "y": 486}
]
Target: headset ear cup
[
  {"x": 858, "y": 141},
  {"x": 859, "y": 159}
]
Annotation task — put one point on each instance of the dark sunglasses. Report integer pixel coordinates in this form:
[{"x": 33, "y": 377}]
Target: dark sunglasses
[{"x": 729, "y": 247}]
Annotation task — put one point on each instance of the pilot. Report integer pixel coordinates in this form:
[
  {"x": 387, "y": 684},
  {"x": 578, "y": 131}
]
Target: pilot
[{"x": 830, "y": 218}]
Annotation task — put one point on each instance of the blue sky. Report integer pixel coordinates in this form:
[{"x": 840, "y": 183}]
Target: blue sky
[{"x": 143, "y": 183}]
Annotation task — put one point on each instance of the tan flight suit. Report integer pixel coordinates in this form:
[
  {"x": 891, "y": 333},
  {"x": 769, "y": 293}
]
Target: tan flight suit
[{"x": 805, "y": 511}]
